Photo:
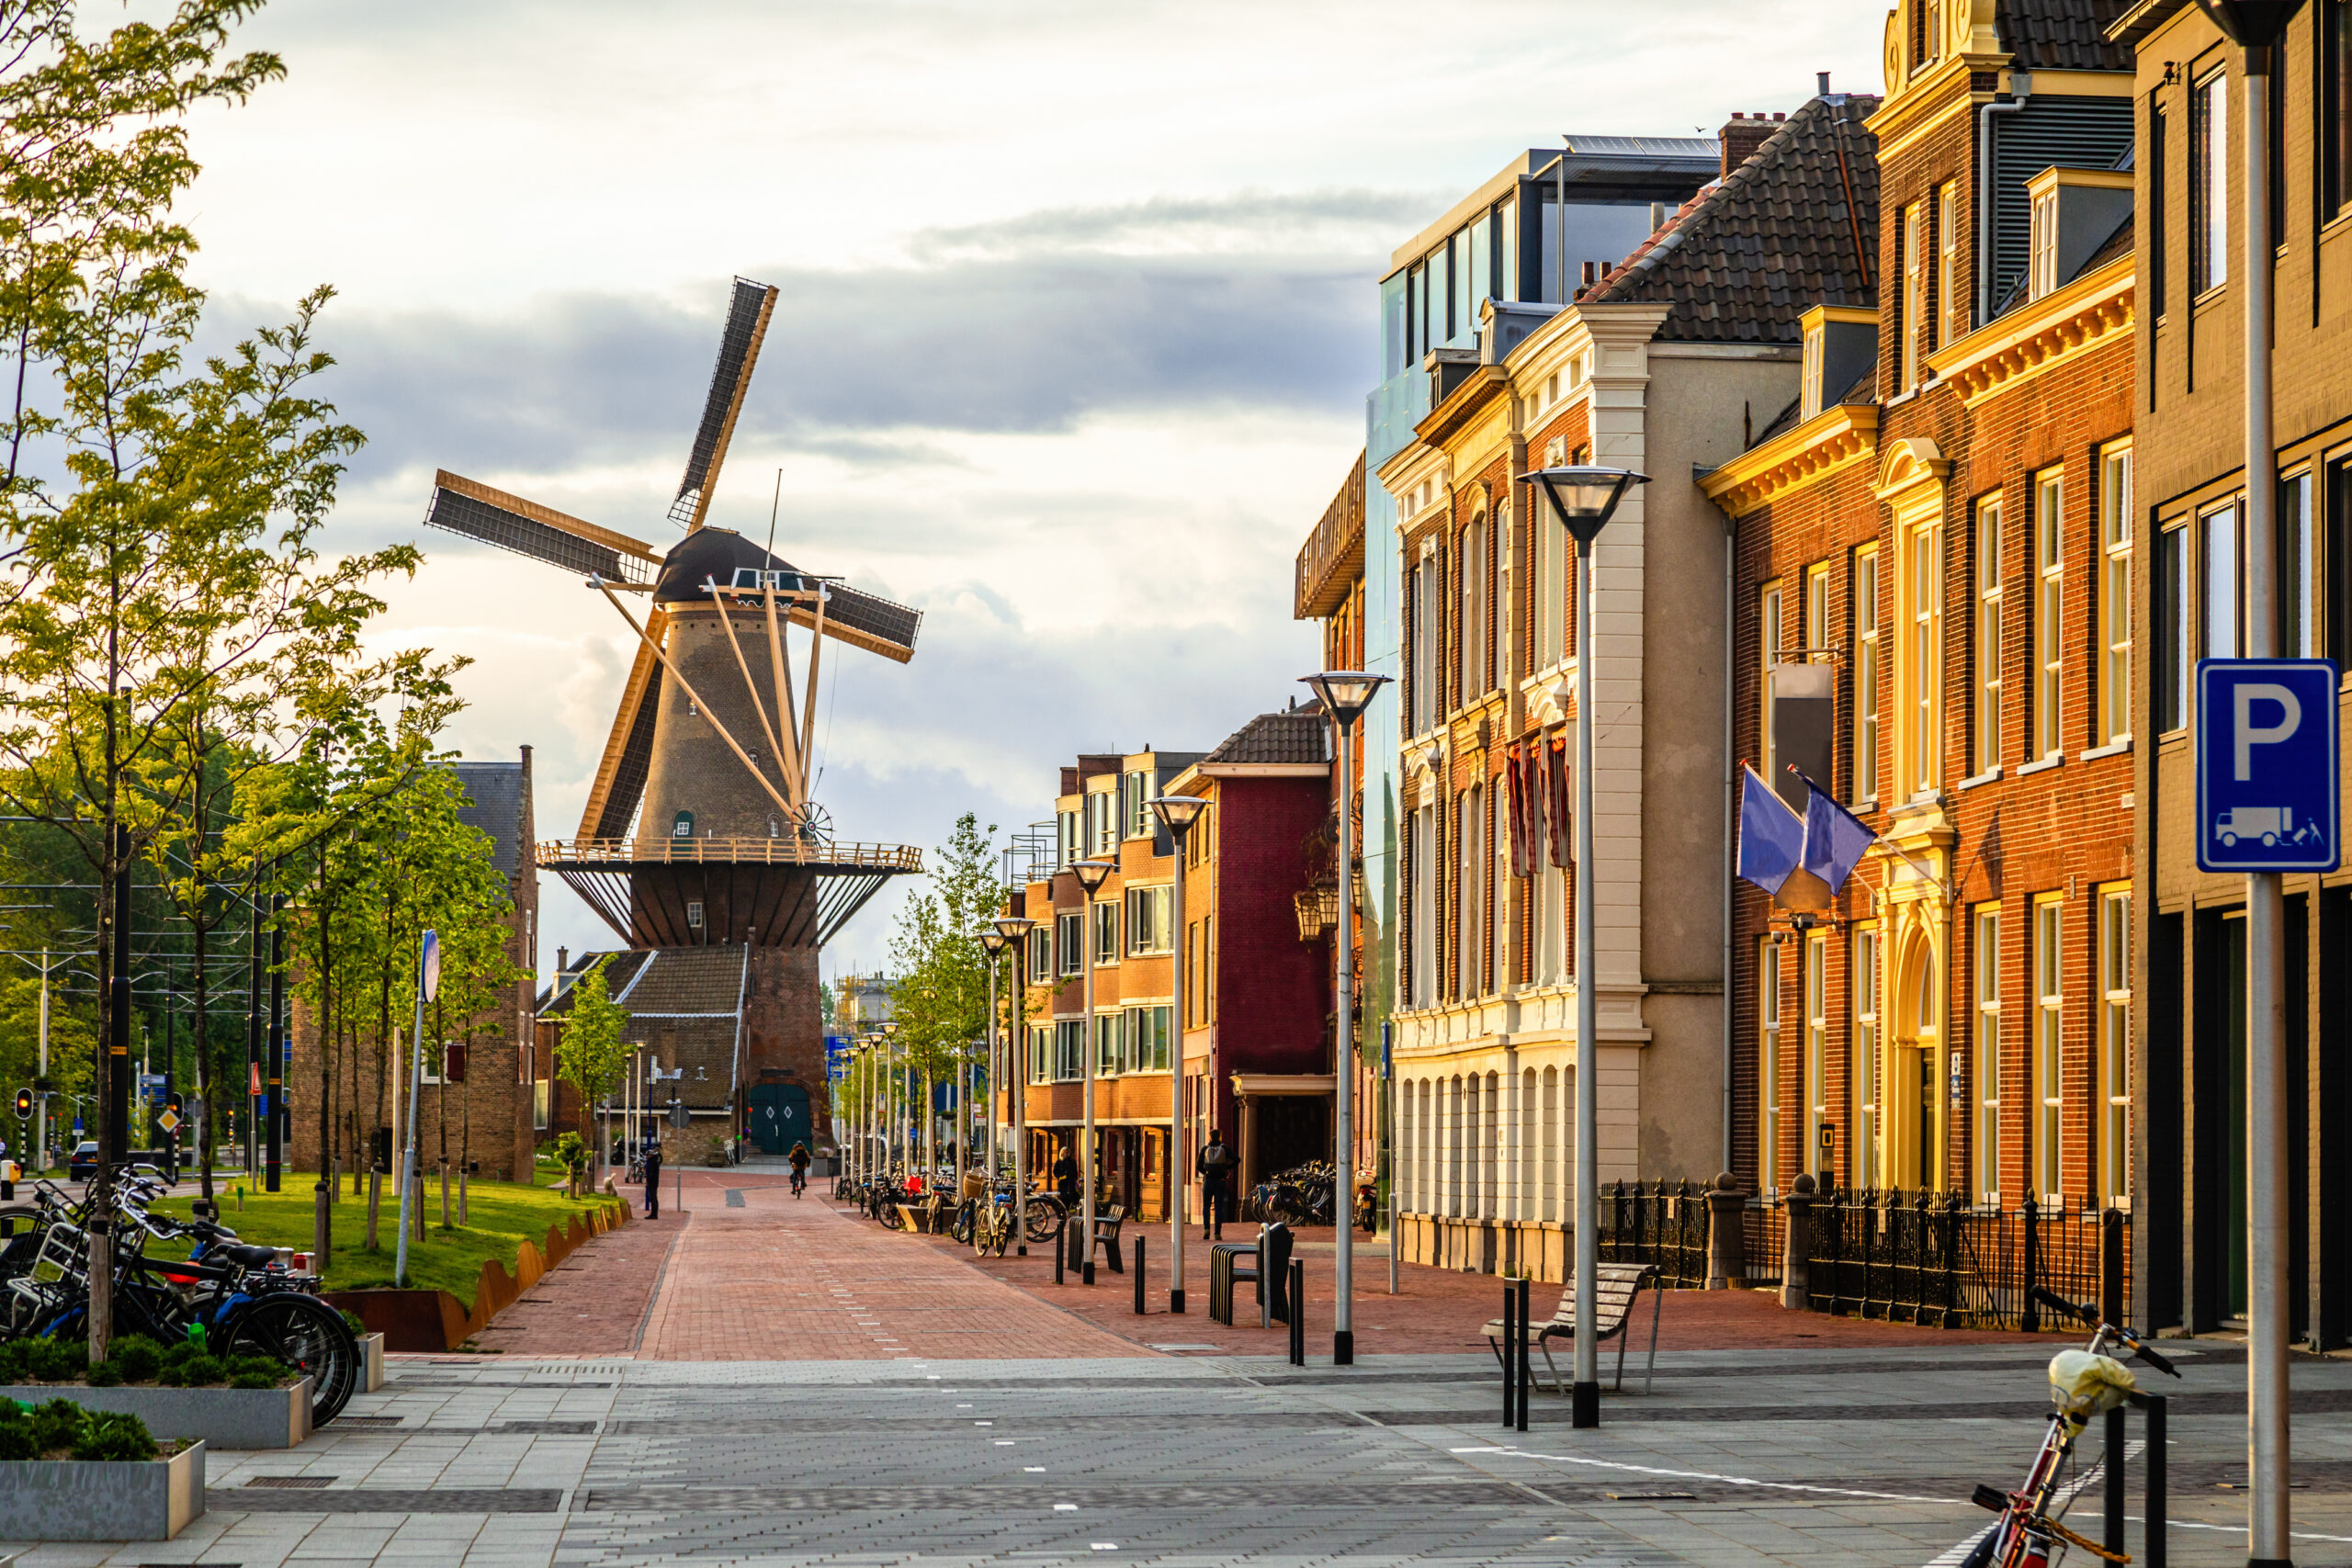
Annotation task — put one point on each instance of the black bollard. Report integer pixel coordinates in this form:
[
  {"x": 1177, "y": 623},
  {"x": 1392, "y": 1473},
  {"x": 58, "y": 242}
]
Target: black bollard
[
  {"x": 1511, "y": 1336},
  {"x": 1139, "y": 1276},
  {"x": 2152, "y": 1554},
  {"x": 1297, "y": 1312},
  {"x": 1516, "y": 1353},
  {"x": 1061, "y": 1253}
]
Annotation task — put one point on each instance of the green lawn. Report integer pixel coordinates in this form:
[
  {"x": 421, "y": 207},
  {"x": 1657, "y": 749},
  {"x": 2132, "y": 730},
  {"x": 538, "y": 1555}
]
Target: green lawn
[{"x": 501, "y": 1216}]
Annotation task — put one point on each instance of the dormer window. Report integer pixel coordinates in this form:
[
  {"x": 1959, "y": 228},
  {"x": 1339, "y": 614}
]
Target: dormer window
[
  {"x": 1840, "y": 347},
  {"x": 2073, "y": 214},
  {"x": 2043, "y": 275},
  {"x": 1810, "y": 403},
  {"x": 1931, "y": 31}
]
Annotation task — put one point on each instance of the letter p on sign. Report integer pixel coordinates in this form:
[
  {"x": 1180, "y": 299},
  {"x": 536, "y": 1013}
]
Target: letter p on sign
[{"x": 2266, "y": 764}]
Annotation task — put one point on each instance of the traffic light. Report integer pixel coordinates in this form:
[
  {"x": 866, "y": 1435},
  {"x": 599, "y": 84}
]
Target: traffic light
[
  {"x": 24, "y": 1105},
  {"x": 171, "y": 1104}
]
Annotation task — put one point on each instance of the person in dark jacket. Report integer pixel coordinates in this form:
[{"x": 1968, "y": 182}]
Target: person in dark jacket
[
  {"x": 799, "y": 1158},
  {"x": 1066, "y": 1178},
  {"x": 1216, "y": 1163},
  {"x": 652, "y": 1158}
]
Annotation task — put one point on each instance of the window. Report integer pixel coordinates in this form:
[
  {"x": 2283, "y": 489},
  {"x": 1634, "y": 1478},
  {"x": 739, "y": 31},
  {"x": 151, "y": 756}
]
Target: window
[
  {"x": 1817, "y": 1159},
  {"x": 1988, "y": 634},
  {"x": 1866, "y": 677},
  {"x": 1041, "y": 1053},
  {"x": 1424, "y": 906},
  {"x": 1067, "y": 840},
  {"x": 2175, "y": 617},
  {"x": 1767, "y": 1020},
  {"x": 2049, "y": 602},
  {"x": 1150, "y": 921},
  {"x": 1987, "y": 955},
  {"x": 2041, "y": 228},
  {"x": 2115, "y": 595},
  {"x": 1136, "y": 797},
  {"x": 1915, "y": 297},
  {"x": 1815, "y": 630},
  {"x": 2159, "y": 198},
  {"x": 1041, "y": 955},
  {"x": 2209, "y": 187},
  {"x": 1865, "y": 1081},
  {"x": 1926, "y": 688},
  {"x": 1470, "y": 891},
  {"x": 1931, "y": 32},
  {"x": 2298, "y": 570},
  {"x": 1071, "y": 935},
  {"x": 1109, "y": 1032},
  {"x": 1472, "y": 631},
  {"x": 540, "y": 1089},
  {"x": 1549, "y": 539},
  {"x": 1955, "y": 304},
  {"x": 2336, "y": 126},
  {"x": 1809, "y": 389},
  {"x": 1770, "y": 639},
  {"x": 2115, "y": 1046},
  {"x": 1069, "y": 1049},
  {"x": 1106, "y": 931},
  {"x": 2048, "y": 1070},
  {"x": 2219, "y": 560},
  {"x": 1145, "y": 1049},
  {"x": 694, "y": 914}
]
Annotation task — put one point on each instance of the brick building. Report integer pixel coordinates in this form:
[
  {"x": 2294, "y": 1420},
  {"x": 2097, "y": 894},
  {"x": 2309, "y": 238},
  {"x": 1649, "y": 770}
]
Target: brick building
[
  {"x": 1127, "y": 933},
  {"x": 2190, "y": 1099},
  {"x": 1932, "y": 618},
  {"x": 478, "y": 1104}
]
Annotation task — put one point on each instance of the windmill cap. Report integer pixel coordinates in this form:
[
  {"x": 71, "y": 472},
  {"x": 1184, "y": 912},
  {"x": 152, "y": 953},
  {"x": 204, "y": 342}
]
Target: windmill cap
[{"x": 709, "y": 555}]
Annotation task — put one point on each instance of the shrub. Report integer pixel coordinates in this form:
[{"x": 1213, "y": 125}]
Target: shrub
[
  {"x": 198, "y": 1371},
  {"x": 268, "y": 1367},
  {"x": 253, "y": 1379},
  {"x": 106, "y": 1375},
  {"x": 114, "y": 1434},
  {"x": 169, "y": 1375},
  {"x": 357, "y": 1325},
  {"x": 43, "y": 1361},
  {"x": 137, "y": 1356},
  {"x": 56, "y": 1424},
  {"x": 16, "y": 1432}
]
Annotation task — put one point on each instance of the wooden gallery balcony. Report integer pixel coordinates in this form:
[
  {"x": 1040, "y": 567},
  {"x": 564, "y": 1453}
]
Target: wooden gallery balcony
[{"x": 1332, "y": 557}]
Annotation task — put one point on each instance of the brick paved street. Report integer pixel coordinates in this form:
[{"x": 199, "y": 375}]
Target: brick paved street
[{"x": 811, "y": 1388}]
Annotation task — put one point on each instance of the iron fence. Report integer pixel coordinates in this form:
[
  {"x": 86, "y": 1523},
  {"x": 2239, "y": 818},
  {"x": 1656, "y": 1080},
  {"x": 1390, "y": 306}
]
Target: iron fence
[
  {"x": 1930, "y": 1258},
  {"x": 1663, "y": 1223}
]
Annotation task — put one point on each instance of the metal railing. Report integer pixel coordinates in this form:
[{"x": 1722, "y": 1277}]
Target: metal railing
[
  {"x": 664, "y": 850},
  {"x": 1663, "y": 1223},
  {"x": 1333, "y": 551}
]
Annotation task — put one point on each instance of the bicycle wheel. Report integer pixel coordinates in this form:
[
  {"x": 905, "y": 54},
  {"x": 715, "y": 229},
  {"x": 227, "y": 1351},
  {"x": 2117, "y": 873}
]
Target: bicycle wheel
[
  {"x": 1046, "y": 1217},
  {"x": 308, "y": 1333}
]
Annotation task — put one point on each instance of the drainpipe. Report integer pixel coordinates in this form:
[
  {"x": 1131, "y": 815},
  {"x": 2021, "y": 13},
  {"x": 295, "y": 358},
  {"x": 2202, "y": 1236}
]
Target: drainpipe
[
  {"x": 2021, "y": 89},
  {"x": 1731, "y": 835}
]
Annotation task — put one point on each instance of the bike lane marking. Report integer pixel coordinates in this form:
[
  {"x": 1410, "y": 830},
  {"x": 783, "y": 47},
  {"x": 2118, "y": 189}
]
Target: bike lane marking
[{"x": 1706, "y": 1475}]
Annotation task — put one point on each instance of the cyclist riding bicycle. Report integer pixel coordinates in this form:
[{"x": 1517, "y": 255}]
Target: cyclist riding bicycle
[{"x": 799, "y": 1158}]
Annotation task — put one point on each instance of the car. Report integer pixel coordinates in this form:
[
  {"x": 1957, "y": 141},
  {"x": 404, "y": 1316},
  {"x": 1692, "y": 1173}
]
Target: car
[{"x": 84, "y": 1163}]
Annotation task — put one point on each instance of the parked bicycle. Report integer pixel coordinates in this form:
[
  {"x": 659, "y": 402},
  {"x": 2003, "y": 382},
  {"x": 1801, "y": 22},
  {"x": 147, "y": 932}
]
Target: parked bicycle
[{"x": 2032, "y": 1531}]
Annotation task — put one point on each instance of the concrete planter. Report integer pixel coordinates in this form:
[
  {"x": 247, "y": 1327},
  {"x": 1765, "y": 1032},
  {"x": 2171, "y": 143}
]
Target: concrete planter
[
  {"x": 224, "y": 1417},
  {"x": 371, "y": 1346},
  {"x": 102, "y": 1500}
]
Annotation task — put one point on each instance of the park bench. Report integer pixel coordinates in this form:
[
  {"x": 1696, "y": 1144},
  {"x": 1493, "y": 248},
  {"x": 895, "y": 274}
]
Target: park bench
[
  {"x": 1106, "y": 1234},
  {"x": 1234, "y": 1263},
  {"x": 1614, "y": 1287}
]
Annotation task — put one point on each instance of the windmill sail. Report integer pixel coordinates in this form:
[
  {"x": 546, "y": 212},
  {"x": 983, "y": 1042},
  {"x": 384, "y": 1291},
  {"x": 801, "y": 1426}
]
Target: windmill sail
[
  {"x": 464, "y": 506},
  {"x": 738, "y": 350}
]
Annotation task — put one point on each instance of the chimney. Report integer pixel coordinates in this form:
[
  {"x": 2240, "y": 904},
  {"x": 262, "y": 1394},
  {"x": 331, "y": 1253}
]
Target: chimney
[
  {"x": 563, "y": 959},
  {"x": 1742, "y": 137},
  {"x": 1821, "y": 79}
]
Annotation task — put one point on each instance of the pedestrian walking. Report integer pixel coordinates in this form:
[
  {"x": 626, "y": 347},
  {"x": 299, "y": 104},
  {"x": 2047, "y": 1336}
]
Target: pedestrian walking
[
  {"x": 651, "y": 1160},
  {"x": 1066, "y": 1178},
  {"x": 799, "y": 1158},
  {"x": 1216, "y": 1163}
]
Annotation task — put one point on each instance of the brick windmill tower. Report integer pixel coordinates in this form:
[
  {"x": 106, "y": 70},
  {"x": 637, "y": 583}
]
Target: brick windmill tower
[{"x": 701, "y": 844}]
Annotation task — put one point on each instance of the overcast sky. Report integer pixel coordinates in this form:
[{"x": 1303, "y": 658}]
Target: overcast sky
[{"x": 1077, "y": 321}]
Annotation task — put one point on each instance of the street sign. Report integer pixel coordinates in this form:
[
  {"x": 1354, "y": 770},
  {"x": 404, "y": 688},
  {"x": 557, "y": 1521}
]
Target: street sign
[
  {"x": 168, "y": 1122},
  {"x": 2266, "y": 775}
]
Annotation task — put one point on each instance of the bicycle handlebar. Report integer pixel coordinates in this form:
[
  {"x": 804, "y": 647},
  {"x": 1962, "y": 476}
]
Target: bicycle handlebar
[{"x": 2089, "y": 1314}]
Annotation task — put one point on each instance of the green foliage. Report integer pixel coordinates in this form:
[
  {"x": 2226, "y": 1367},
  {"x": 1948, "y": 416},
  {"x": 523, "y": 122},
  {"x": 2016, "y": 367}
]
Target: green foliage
[
  {"x": 16, "y": 1432},
  {"x": 114, "y": 1435},
  {"x": 136, "y": 1358},
  {"x": 43, "y": 1361},
  {"x": 198, "y": 1371},
  {"x": 57, "y": 1424},
  {"x": 589, "y": 1050},
  {"x": 253, "y": 1379},
  {"x": 940, "y": 997},
  {"x": 106, "y": 1375},
  {"x": 570, "y": 1152}
]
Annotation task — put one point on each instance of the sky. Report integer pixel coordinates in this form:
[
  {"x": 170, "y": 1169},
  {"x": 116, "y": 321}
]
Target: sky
[{"x": 1076, "y": 324}]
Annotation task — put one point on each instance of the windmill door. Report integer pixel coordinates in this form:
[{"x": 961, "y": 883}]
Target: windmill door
[{"x": 776, "y": 1117}]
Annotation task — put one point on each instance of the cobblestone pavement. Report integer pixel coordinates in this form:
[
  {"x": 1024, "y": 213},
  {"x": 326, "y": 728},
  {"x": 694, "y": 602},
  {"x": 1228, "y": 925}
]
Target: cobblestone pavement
[{"x": 1849, "y": 1455}]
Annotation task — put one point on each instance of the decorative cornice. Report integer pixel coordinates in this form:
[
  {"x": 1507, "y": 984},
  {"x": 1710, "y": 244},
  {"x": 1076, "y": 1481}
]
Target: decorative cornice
[
  {"x": 1910, "y": 463},
  {"x": 2094, "y": 312},
  {"x": 1830, "y": 440}
]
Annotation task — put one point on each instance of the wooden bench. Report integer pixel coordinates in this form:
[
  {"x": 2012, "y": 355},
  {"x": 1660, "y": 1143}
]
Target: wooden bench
[
  {"x": 1614, "y": 1287},
  {"x": 1107, "y": 1222}
]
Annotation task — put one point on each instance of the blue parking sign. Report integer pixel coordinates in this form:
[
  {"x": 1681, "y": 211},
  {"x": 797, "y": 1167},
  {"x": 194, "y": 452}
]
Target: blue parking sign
[{"x": 2265, "y": 764}]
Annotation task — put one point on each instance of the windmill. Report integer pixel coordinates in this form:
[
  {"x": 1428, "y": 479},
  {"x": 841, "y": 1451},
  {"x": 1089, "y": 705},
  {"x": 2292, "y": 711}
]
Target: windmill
[{"x": 701, "y": 828}]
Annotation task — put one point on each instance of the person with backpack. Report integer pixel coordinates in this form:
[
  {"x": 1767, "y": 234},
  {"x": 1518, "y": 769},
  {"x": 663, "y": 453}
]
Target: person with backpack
[
  {"x": 1216, "y": 1163},
  {"x": 651, "y": 1158},
  {"x": 799, "y": 1158}
]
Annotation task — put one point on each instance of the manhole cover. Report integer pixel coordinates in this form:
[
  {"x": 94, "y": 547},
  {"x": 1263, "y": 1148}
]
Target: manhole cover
[
  {"x": 291, "y": 1482},
  {"x": 375, "y": 1421}
]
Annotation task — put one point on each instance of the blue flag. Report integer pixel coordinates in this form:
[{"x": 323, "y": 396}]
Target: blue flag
[
  {"x": 1835, "y": 838},
  {"x": 1771, "y": 837}
]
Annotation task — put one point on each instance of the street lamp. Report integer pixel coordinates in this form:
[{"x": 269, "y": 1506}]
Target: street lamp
[
  {"x": 1092, "y": 874},
  {"x": 1345, "y": 694},
  {"x": 992, "y": 942},
  {"x": 1177, "y": 813},
  {"x": 1585, "y": 497},
  {"x": 2255, "y": 27},
  {"x": 900, "y": 1162},
  {"x": 1015, "y": 928}
]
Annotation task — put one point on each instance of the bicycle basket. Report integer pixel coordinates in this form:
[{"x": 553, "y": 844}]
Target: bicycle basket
[{"x": 64, "y": 1255}]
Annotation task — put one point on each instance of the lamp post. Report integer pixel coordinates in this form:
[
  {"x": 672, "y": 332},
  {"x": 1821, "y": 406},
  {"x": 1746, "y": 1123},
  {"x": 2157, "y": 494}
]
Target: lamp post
[
  {"x": 2255, "y": 27},
  {"x": 1015, "y": 930},
  {"x": 1091, "y": 876},
  {"x": 1177, "y": 813},
  {"x": 1585, "y": 497},
  {"x": 993, "y": 946},
  {"x": 1345, "y": 694},
  {"x": 899, "y": 1161}
]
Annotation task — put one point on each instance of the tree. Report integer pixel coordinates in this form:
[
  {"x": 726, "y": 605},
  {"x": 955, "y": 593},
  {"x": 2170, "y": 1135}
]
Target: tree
[
  {"x": 940, "y": 998},
  {"x": 589, "y": 1052}
]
